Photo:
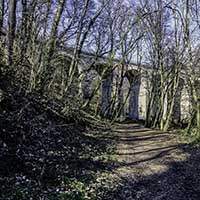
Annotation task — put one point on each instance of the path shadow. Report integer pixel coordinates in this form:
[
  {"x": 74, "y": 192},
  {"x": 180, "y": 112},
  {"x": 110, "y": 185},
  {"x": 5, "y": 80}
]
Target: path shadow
[
  {"x": 180, "y": 181},
  {"x": 136, "y": 135},
  {"x": 150, "y": 150},
  {"x": 141, "y": 138},
  {"x": 159, "y": 155}
]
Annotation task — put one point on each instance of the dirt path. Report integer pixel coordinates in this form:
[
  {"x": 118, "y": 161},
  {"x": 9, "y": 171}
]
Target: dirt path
[{"x": 153, "y": 165}]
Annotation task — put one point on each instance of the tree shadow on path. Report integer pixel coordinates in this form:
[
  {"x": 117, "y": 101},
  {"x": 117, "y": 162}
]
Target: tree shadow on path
[{"x": 168, "y": 172}]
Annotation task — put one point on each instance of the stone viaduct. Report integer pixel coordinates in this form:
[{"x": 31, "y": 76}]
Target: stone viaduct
[{"x": 135, "y": 88}]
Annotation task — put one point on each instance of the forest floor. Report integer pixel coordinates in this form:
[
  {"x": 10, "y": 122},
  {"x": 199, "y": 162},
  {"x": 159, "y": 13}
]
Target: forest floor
[
  {"x": 152, "y": 165},
  {"x": 58, "y": 161}
]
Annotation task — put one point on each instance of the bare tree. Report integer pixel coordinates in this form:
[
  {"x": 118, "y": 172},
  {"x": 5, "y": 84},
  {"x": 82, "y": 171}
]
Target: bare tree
[
  {"x": 11, "y": 29},
  {"x": 2, "y": 11}
]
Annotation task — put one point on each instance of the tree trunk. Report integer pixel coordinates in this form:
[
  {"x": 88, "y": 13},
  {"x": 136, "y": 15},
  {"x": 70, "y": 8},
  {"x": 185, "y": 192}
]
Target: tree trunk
[
  {"x": 198, "y": 114},
  {"x": 24, "y": 29},
  {"x": 2, "y": 10},
  {"x": 11, "y": 28},
  {"x": 47, "y": 70}
]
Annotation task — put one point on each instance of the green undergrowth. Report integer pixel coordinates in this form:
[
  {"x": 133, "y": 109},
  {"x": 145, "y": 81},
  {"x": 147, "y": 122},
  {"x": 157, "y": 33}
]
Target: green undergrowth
[
  {"x": 192, "y": 136},
  {"x": 44, "y": 156}
]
